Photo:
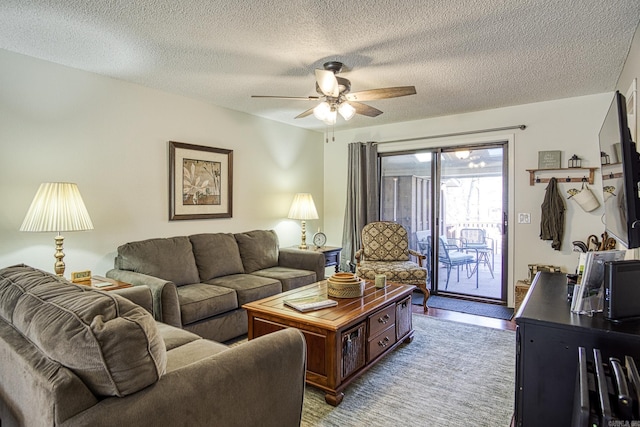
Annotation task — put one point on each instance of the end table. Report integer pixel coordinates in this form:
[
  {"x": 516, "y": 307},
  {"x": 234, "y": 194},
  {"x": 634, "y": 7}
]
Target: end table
[
  {"x": 104, "y": 283},
  {"x": 331, "y": 255}
]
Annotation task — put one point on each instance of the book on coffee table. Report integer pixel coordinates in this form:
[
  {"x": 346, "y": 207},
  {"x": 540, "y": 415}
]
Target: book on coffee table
[{"x": 314, "y": 302}]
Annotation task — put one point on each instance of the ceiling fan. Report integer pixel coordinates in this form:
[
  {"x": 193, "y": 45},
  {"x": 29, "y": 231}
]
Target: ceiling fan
[{"x": 334, "y": 92}]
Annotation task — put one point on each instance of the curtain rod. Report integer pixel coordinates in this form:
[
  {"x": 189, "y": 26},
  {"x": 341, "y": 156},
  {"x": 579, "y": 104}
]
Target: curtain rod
[{"x": 521, "y": 127}]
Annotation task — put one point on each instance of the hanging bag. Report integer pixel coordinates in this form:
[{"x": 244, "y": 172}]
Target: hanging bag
[{"x": 586, "y": 199}]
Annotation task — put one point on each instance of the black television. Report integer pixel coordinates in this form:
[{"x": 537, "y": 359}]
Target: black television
[{"x": 620, "y": 178}]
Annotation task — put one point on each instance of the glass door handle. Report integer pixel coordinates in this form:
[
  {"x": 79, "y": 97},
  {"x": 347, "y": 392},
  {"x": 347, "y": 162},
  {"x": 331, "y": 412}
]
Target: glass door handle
[{"x": 505, "y": 222}]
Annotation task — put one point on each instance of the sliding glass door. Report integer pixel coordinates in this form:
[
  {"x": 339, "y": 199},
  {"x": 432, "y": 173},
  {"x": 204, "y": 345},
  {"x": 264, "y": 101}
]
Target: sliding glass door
[{"x": 453, "y": 202}]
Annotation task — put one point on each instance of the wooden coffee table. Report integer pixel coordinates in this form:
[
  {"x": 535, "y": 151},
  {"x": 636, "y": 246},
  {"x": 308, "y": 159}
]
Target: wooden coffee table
[{"x": 342, "y": 341}]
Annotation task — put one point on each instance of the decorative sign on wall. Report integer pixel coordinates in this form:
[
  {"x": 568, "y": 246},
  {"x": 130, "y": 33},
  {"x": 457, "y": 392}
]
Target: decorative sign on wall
[{"x": 549, "y": 159}]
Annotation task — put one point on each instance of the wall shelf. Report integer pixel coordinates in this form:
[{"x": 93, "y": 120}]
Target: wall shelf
[{"x": 571, "y": 177}]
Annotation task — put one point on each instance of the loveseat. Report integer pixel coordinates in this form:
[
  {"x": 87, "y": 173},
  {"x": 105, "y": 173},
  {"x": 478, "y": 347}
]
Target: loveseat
[
  {"x": 200, "y": 282},
  {"x": 75, "y": 356}
]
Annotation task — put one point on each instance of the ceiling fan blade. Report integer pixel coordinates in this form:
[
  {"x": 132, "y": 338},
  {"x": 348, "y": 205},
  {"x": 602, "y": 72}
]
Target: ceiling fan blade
[
  {"x": 298, "y": 98},
  {"x": 305, "y": 113},
  {"x": 382, "y": 93},
  {"x": 327, "y": 83},
  {"x": 365, "y": 110}
]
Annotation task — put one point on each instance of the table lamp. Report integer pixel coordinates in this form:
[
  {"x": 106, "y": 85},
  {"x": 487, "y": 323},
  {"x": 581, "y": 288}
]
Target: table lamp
[
  {"x": 303, "y": 209},
  {"x": 57, "y": 207}
]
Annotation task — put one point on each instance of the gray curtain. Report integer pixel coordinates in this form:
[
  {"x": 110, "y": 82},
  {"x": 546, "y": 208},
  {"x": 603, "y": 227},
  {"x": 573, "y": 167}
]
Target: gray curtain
[{"x": 363, "y": 204}]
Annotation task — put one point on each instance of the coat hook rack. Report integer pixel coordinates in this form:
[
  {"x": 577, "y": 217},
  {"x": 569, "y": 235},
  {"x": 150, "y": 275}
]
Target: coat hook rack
[{"x": 534, "y": 175}]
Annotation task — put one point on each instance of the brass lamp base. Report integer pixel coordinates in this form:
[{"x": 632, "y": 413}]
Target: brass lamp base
[
  {"x": 59, "y": 265},
  {"x": 303, "y": 242}
]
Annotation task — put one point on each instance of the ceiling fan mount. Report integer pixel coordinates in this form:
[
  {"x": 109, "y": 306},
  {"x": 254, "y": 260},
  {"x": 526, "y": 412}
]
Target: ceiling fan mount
[
  {"x": 334, "y": 66},
  {"x": 336, "y": 98}
]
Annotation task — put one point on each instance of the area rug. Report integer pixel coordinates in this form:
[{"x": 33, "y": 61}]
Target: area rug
[
  {"x": 463, "y": 306},
  {"x": 452, "y": 374}
]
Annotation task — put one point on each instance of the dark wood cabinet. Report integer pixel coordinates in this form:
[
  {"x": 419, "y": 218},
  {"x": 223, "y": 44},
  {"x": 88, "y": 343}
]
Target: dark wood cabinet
[{"x": 547, "y": 339}]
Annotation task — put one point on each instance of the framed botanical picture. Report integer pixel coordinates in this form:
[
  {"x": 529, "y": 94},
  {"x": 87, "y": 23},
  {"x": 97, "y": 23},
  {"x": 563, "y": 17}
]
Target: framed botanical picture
[{"x": 200, "y": 182}]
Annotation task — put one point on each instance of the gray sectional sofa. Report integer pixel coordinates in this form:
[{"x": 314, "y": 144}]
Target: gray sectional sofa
[
  {"x": 200, "y": 282},
  {"x": 71, "y": 355}
]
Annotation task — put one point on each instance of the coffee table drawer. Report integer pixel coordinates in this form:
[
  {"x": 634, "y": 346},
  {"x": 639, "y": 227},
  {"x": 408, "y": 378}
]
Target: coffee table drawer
[
  {"x": 381, "y": 320},
  {"x": 381, "y": 342}
]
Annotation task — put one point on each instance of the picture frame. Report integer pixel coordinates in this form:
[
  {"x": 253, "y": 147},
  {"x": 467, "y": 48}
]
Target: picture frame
[
  {"x": 200, "y": 182},
  {"x": 549, "y": 159}
]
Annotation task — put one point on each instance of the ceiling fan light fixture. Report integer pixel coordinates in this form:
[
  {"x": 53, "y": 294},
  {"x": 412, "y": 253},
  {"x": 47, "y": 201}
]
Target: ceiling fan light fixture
[
  {"x": 322, "y": 110},
  {"x": 331, "y": 117},
  {"x": 463, "y": 154},
  {"x": 347, "y": 111}
]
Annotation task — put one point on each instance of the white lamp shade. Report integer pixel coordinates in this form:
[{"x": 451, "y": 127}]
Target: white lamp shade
[
  {"x": 347, "y": 111},
  {"x": 303, "y": 207},
  {"x": 322, "y": 110},
  {"x": 331, "y": 117},
  {"x": 57, "y": 206}
]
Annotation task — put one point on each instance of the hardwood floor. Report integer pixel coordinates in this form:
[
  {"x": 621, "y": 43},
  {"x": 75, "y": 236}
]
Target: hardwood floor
[{"x": 466, "y": 318}]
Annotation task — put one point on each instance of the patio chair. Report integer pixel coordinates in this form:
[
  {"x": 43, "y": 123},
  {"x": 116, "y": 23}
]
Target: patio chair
[
  {"x": 385, "y": 250},
  {"x": 453, "y": 256},
  {"x": 476, "y": 239}
]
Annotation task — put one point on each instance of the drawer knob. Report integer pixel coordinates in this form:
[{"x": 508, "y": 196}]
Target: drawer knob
[
  {"x": 384, "y": 319},
  {"x": 383, "y": 342}
]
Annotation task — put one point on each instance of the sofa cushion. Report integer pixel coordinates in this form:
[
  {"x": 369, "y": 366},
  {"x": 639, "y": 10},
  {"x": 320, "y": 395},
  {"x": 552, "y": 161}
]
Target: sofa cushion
[
  {"x": 216, "y": 255},
  {"x": 110, "y": 343},
  {"x": 249, "y": 287},
  {"x": 175, "y": 337},
  {"x": 290, "y": 278},
  {"x": 166, "y": 258},
  {"x": 199, "y": 301},
  {"x": 258, "y": 249}
]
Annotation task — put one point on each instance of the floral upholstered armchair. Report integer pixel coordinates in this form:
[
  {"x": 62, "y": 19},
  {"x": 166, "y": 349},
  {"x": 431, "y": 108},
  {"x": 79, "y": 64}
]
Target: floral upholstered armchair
[{"x": 385, "y": 250}]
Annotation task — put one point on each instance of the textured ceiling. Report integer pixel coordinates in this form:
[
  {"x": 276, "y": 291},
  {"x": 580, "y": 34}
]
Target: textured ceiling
[{"x": 461, "y": 55}]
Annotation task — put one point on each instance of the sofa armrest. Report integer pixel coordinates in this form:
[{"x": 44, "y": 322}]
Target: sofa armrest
[
  {"x": 140, "y": 295},
  {"x": 260, "y": 382},
  {"x": 304, "y": 260},
  {"x": 166, "y": 307}
]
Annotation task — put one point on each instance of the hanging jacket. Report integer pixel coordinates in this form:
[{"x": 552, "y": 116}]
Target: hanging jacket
[{"x": 552, "y": 219}]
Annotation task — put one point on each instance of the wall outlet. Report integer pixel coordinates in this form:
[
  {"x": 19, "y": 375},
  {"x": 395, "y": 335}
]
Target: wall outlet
[{"x": 524, "y": 218}]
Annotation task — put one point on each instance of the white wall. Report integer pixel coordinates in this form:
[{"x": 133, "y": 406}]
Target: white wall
[
  {"x": 570, "y": 125},
  {"x": 111, "y": 138}
]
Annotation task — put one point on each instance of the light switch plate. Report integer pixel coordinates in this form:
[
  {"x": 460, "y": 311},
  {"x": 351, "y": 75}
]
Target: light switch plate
[{"x": 524, "y": 218}]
